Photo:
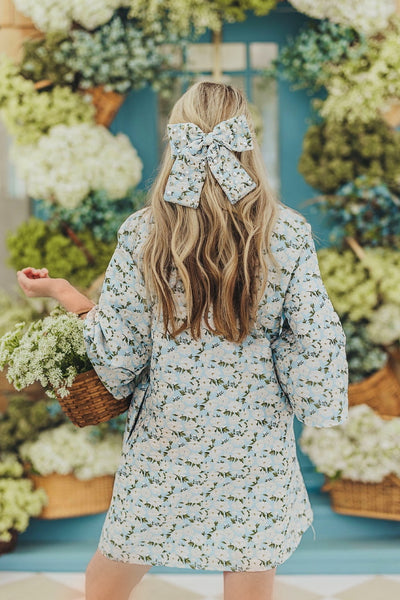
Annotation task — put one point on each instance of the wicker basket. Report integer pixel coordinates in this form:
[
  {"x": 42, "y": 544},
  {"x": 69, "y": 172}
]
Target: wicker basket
[
  {"x": 374, "y": 500},
  {"x": 107, "y": 104},
  {"x": 72, "y": 497},
  {"x": 89, "y": 403},
  {"x": 381, "y": 391},
  {"x": 6, "y": 547}
]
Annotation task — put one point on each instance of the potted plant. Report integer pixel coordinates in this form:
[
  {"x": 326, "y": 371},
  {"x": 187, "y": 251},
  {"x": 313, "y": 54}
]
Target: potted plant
[
  {"x": 25, "y": 418},
  {"x": 18, "y": 501},
  {"x": 364, "y": 285},
  {"x": 52, "y": 351},
  {"x": 361, "y": 463},
  {"x": 75, "y": 467}
]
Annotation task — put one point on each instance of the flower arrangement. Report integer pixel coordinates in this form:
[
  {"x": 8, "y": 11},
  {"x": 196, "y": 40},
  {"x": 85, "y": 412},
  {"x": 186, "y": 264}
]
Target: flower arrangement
[
  {"x": 365, "y": 448},
  {"x": 369, "y": 213},
  {"x": 305, "y": 59},
  {"x": 24, "y": 420},
  {"x": 28, "y": 114},
  {"x": 358, "y": 288},
  {"x": 367, "y": 16},
  {"x": 41, "y": 61},
  {"x": 177, "y": 15},
  {"x": 187, "y": 16},
  {"x": 335, "y": 153},
  {"x": 361, "y": 88},
  {"x": 68, "y": 163},
  {"x": 363, "y": 355},
  {"x": 50, "y": 350},
  {"x": 57, "y": 15},
  {"x": 384, "y": 326},
  {"x": 36, "y": 242},
  {"x": 96, "y": 213},
  {"x": 18, "y": 501},
  {"x": 11, "y": 82},
  {"x": 117, "y": 55},
  {"x": 67, "y": 449}
]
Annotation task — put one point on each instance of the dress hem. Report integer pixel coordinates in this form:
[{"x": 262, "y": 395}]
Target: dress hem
[{"x": 176, "y": 565}]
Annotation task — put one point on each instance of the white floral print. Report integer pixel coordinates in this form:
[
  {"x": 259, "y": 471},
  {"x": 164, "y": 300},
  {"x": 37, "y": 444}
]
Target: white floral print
[{"x": 209, "y": 476}]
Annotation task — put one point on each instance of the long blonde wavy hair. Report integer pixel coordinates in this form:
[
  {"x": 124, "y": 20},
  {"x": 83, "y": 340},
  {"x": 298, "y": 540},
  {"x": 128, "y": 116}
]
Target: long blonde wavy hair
[{"x": 220, "y": 251}]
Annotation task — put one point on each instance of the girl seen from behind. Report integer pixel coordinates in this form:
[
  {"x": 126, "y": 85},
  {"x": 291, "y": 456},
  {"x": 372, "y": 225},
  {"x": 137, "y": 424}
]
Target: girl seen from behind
[{"x": 214, "y": 319}]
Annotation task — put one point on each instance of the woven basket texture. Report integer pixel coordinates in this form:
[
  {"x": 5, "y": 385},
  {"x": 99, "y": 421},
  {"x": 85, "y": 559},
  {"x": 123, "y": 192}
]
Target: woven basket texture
[
  {"x": 89, "y": 402},
  {"x": 107, "y": 104},
  {"x": 72, "y": 497},
  {"x": 381, "y": 391},
  {"x": 375, "y": 500}
]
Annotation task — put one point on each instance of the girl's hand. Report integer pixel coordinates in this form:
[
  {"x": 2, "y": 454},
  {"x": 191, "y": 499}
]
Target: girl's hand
[{"x": 37, "y": 283}]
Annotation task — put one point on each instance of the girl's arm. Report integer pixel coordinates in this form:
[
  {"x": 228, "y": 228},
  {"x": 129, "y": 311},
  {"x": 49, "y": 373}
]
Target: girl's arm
[
  {"x": 310, "y": 354},
  {"x": 37, "y": 283}
]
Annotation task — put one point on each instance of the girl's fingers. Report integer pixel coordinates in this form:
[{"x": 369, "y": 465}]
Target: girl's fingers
[{"x": 33, "y": 273}]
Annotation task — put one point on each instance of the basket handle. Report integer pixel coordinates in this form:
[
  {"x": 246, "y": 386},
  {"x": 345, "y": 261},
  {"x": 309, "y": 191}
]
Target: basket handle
[
  {"x": 394, "y": 479},
  {"x": 355, "y": 246},
  {"x": 328, "y": 485}
]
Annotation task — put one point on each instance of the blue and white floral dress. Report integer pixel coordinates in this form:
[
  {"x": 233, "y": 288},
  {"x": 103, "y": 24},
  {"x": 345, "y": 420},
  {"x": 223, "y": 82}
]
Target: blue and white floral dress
[{"x": 209, "y": 477}]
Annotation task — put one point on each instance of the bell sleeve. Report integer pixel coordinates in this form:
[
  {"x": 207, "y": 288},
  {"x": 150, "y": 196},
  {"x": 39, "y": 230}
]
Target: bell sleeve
[
  {"x": 309, "y": 354},
  {"x": 117, "y": 331}
]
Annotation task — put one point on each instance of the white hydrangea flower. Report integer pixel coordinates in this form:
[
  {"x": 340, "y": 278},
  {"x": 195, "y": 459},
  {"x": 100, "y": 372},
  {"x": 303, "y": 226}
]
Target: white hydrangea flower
[
  {"x": 58, "y": 15},
  {"x": 71, "y": 161},
  {"x": 67, "y": 449},
  {"x": 365, "y": 448},
  {"x": 366, "y": 16},
  {"x": 384, "y": 325}
]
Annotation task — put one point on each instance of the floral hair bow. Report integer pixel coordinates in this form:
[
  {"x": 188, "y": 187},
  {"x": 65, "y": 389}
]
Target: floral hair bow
[{"x": 193, "y": 149}]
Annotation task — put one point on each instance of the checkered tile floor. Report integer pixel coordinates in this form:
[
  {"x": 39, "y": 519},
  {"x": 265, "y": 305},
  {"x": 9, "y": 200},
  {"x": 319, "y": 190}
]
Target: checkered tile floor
[{"x": 70, "y": 586}]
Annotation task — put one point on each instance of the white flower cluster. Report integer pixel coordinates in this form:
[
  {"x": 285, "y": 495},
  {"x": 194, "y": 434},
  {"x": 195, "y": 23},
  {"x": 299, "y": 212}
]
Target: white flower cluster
[
  {"x": 68, "y": 449},
  {"x": 18, "y": 500},
  {"x": 68, "y": 163},
  {"x": 365, "y": 448},
  {"x": 366, "y": 16},
  {"x": 51, "y": 350},
  {"x": 10, "y": 466},
  {"x": 58, "y": 15},
  {"x": 384, "y": 326}
]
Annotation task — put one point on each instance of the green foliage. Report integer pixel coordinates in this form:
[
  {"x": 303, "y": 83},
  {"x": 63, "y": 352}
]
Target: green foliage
[
  {"x": 358, "y": 288},
  {"x": 363, "y": 355},
  {"x": 359, "y": 88},
  {"x": 24, "y": 419},
  {"x": 194, "y": 16},
  {"x": 97, "y": 213},
  {"x": 28, "y": 113},
  {"x": 364, "y": 210},
  {"x": 118, "y": 55},
  {"x": 335, "y": 153},
  {"x": 35, "y": 243},
  {"x": 236, "y": 10},
  {"x": 18, "y": 500},
  {"x": 12, "y": 85},
  {"x": 305, "y": 59},
  {"x": 41, "y": 60}
]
